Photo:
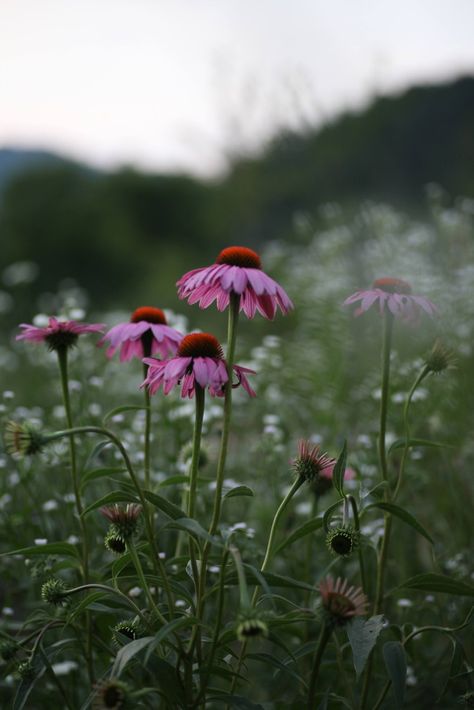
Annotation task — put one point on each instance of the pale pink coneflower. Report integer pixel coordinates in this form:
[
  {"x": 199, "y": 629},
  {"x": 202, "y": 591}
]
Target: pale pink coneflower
[
  {"x": 198, "y": 361},
  {"x": 147, "y": 333},
  {"x": 394, "y": 296},
  {"x": 237, "y": 270},
  {"x": 58, "y": 334},
  {"x": 340, "y": 601}
]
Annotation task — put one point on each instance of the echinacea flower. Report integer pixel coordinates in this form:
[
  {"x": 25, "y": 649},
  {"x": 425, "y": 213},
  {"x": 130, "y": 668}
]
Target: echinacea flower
[
  {"x": 311, "y": 463},
  {"x": 58, "y": 334},
  {"x": 394, "y": 296},
  {"x": 340, "y": 601},
  {"x": 250, "y": 624},
  {"x": 343, "y": 540},
  {"x": 198, "y": 361},
  {"x": 146, "y": 334},
  {"x": 23, "y": 439},
  {"x": 237, "y": 270},
  {"x": 439, "y": 359}
]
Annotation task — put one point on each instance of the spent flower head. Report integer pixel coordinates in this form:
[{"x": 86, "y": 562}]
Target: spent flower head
[
  {"x": 340, "y": 601},
  {"x": 124, "y": 519},
  {"x": 126, "y": 628},
  {"x": 440, "y": 358},
  {"x": 147, "y": 333},
  {"x": 199, "y": 360},
  {"x": 23, "y": 439},
  {"x": 311, "y": 463},
  {"x": 236, "y": 271},
  {"x": 393, "y": 296},
  {"x": 58, "y": 334}
]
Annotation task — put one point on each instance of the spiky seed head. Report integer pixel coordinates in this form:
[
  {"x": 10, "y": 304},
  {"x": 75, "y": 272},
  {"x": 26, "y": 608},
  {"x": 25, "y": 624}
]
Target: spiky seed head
[
  {"x": 343, "y": 540},
  {"x": 54, "y": 591}
]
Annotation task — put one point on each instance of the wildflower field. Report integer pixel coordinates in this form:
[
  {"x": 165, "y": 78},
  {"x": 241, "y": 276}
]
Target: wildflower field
[{"x": 256, "y": 496}]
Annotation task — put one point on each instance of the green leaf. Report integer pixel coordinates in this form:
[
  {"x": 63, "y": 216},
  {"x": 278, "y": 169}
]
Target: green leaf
[
  {"x": 403, "y": 515},
  {"x": 236, "y": 701},
  {"x": 396, "y": 664},
  {"x": 113, "y": 497},
  {"x": 400, "y": 444},
  {"x": 239, "y": 491},
  {"x": 127, "y": 652},
  {"x": 272, "y": 661},
  {"x": 192, "y": 526},
  {"x": 339, "y": 470},
  {"x": 123, "y": 408},
  {"x": 169, "y": 628},
  {"x": 170, "y": 509},
  {"x": 173, "y": 481},
  {"x": 84, "y": 604},
  {"x": 305, "y": 529},
  {"x": 95, "y": 473},
  {"x": 51, "y": 548},
  {"x": 362, "y": 637},
  {"x": 328, "y": 513},
  {"x": 432, "y": 582}
]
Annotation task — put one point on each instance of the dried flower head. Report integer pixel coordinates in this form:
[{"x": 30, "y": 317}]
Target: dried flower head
[
  {"x": 343, "y": 540},
  {"x": 23, "y": 439},
  {"x": 440, "y": 358},
  {"x": 340, "y": 601},
  {"x": 237, "y": 270},
  {"x": 114, "y": 542},
  {"x": 54, "y": 591},
  {"x": 311, "y": 463},
  {"x": 110, "y": 695},
  {"x": 58, "y": 335}
]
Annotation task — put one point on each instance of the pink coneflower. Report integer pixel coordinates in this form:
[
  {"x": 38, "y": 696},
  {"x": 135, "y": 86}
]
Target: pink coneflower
[
  {"x": 311, "y": 463},
  {"x": 237, "y": 270},
  {"x": 146, "y": 334},
  {"x": 340, "y": 601},
  {"x": 199, "y": 360},
  {"x": 58, "y": 334},
  {"x": 394, "y": 295}
]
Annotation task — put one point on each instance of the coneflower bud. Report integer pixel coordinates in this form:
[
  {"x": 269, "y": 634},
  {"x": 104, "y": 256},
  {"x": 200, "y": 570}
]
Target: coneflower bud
[
  {"x": 8, "y": 649},
  {"x": 125, "y": 628},
  {"x": 114, "y": 541},
  {"x": 23, "y": 439},
  {"x": 343, "y": 540},
  {"x": 440, "y": 359},
  {"x": 250, "y": 625},
  {"x": 187, "y": 451},
  {"x": 110, "y": 695},
  {"x": 26, "y": 671},
  {"x": 54, "y": 591}
]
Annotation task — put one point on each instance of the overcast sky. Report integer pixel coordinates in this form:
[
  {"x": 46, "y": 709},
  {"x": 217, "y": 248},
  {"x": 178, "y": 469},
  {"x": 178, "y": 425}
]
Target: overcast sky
[{"x": 181, "y": 83}]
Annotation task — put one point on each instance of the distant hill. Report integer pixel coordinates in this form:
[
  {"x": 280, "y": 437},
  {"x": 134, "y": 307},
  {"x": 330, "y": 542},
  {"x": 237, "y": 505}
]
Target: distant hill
[{"x": 14, "y": 161}]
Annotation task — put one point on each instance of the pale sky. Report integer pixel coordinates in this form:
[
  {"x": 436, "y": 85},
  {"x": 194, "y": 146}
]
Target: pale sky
[{"x": 178, "y": 84}]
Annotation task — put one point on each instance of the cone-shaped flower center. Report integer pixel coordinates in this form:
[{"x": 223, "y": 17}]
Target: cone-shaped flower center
[
  {"x": 392, "y": 285},
  {"x": 149, "y": 314},
  {"x": 239, "y": 256},
  {"x": 339, "y": 604},
  {"x": 200, "y": 345}
]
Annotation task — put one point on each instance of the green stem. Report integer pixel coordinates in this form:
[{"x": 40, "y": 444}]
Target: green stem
[
  {"x": 62, "y": 354},
  {"x": 323, "y": 639},
  {"x": 193, "y": 474},
  {"x": 355, "y": 515},
  {"x": 406, "y": 448},
  {"x": 156, "y": 559},
  {"x": 144, "y": 584},
  {"x": 111, "y": 590},
  {"x": 146, "y": 463},
  {"x": 231, "y": 339},
  {"x": 382, "y": 560}
]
